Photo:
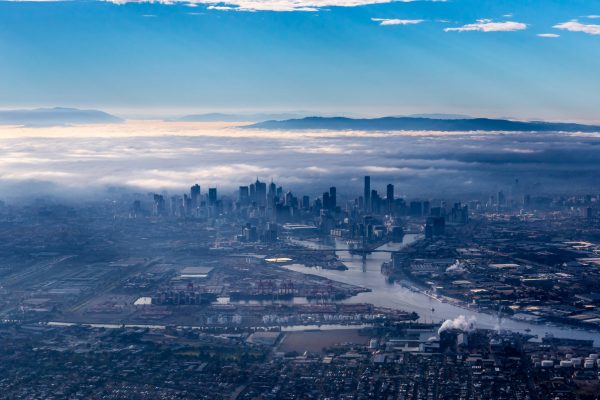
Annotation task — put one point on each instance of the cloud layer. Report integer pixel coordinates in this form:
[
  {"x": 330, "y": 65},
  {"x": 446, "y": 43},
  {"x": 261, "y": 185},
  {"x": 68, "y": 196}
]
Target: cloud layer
[
  {"x": 575, "y": 26},
  {"x": 272, "y": 5},
  {"x": 393, "y": 21},
  {"x": 487, "y": 25},
  {"x": 68, "y": 161}
]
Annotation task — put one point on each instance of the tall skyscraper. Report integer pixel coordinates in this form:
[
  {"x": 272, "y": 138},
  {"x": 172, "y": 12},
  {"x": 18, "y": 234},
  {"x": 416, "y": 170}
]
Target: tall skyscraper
[
  {"x": 261, "y": 192},
  {"x": 212, "y": 196},
  {"x": 326, "y": 201},
  {"x": 244, "y": 195},
  {"x": 137, "y": 208},
  {"x": 271, "y": 194},
  {"x": 501, "y": 199},
  {"x": 158, "y": 207},
  {"x": 289, "y": 199},
  {"x": 195, "y": 195},
  {"x": 375, "y": 201},
  {"x": 390, "y": 197},
  {"x": 367, "y": 193},
  {"x": 332, "y": 198}
]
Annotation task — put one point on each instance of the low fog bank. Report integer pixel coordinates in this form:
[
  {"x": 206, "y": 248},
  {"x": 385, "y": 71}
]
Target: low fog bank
[{"x": 417, "y": 163}]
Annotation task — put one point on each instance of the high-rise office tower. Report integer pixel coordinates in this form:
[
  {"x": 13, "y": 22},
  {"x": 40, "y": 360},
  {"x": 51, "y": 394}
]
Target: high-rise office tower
[
  {"x": 271, "y": 194},
  {"x": 332, "y": 198},
  {"x": 261, "y": 193},
  {"x": 289, "y": 199},
  {"x": 212, "y": 196},
  {"x": 305, "y": 202},
  {"x": 244, "y": 195},
  {"x": 326, "y": 201},
  {"x": 176, "y": 207},
  {"x": 367, "y": 193},
  {"x": 390, "y": 197},
  {"x": 195, "y": 195},
  {"x": 137, "y": 208},
  {"x": 375, "y": 201},
  {"x": 158, "y": 207},
  {"x": 187, "y": 203},
  {"x": 501, "y": 199}
]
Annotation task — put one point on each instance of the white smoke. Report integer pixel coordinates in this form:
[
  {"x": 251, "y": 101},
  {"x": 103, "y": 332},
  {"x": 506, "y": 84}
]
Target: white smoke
[
  {"x": 461, "y": 323},
  {"x": 457, "y": 267}
]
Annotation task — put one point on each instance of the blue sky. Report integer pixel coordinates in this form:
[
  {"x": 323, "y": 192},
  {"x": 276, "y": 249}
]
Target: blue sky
[{"x": 461, "y": 56}]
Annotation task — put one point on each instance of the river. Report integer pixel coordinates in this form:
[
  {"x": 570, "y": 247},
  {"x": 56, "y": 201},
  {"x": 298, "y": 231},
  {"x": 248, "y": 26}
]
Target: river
[{"x": 395, "y": 295}]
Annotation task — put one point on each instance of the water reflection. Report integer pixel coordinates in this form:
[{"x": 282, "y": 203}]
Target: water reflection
[{"x": 366, "y": 272}]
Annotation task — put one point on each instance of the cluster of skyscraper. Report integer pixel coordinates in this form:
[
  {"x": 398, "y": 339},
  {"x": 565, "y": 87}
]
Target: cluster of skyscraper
[
  {"x": 260, "y": 207},
  {"x": 270, "y": 200}
]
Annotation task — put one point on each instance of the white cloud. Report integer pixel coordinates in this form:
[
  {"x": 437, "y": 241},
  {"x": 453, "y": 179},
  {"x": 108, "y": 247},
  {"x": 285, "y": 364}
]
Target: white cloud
[
  {"x": 271, "y": 5},
  {"x": 152, "y": 155},
  {"x": 548, "y": 35},
  {"x": 592, "y": 16},
  {"x": 221, "y": 8},
  {"x": 576, "y": 26},
  {"x": 318, "y": 170},
  {"x": 487, "y": 25},
  {"x": 393, "y": 21}
]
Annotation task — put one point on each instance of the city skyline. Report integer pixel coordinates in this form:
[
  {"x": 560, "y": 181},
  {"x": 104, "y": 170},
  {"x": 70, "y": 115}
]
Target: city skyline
[{"x": 300, "y": 199}]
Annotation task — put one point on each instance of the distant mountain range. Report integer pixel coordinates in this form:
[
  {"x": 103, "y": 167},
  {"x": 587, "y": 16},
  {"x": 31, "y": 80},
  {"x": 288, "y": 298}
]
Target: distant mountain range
[
  {"x": 423, "y": 124},
  {"x": 213, "y": 117},
  {"x": 437, "y": 116},
  {"x": 56, "y": 116}
]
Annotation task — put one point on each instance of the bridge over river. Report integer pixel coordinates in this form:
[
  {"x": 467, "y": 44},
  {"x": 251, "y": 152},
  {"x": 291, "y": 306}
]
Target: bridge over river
[{"x": 365, "y": 270}]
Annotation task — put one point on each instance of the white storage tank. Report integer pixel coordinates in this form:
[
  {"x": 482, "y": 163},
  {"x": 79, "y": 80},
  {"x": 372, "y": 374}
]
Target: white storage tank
[{"x": 589, "y": 364}]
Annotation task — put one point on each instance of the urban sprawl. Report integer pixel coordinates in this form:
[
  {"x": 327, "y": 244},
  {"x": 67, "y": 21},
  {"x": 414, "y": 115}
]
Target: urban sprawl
[{"x": 263, "y": 293}]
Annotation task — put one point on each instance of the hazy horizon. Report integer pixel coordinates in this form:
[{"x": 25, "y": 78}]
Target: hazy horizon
[
  {"x": 532, "y": 60},
  {"x": 153, "y": 156}
]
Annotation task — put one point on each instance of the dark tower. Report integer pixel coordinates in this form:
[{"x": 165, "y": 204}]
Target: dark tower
[
  {"x": 261, "y": 192},
  {"x": 367, "y": 194},
  {"x": 390, "y": 197},
  {"x": 332, "y": 198},
  {"x": 244, "y": 195},
  {"x": 195, "y": 195},
  {"x": 212, "y": 196}
]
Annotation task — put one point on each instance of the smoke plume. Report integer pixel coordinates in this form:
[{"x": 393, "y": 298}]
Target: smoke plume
[{"x": 461, "y": 323}]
